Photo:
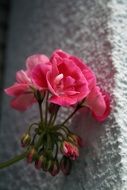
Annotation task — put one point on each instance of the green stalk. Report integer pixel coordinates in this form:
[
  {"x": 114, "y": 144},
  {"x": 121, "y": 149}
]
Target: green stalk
[
  {"x": 46, "y": 108},
  {"x": 69, "y": 117},
  {"x": 30, "y": 127},
  {"x": 13, "y": 160},
  {"x": 54, "y": 119},
  {"x": 65, "y": 129},
  {"x": 56, "y": 153},
  {"x": 41, "y": 114},
  {"x": 50, "y": 120}
]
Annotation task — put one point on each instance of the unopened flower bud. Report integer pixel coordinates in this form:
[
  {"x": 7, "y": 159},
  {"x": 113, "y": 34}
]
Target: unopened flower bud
[
  {"x": 46, "y": 164},
  {"x": 70, "y": 150},
  {"x": 76, "y": 139},
  {"x": 39, "y": 162},
  {"x": 53, "y": 108},
  {"x": 31, "y": 155},
  {"x": 25, "y": 140},
  {"x": 39, "y": 96},
  {"x": 55, "y": 168},
  {"x": 65, "y": 165}
]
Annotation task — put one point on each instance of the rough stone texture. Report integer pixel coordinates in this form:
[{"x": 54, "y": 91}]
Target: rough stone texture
[{"x": 94, "y": 30}]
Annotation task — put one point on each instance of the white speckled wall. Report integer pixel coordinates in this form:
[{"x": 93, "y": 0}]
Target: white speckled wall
[{"x": 94, "y": 30}]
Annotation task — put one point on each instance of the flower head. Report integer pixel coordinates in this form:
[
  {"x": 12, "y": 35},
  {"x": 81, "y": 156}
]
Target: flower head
[
  {"x": 69, "y": 80},
  {"x": 22, "y": 90}
]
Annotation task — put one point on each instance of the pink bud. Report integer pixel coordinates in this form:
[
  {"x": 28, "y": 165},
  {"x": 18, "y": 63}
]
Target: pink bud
[
  {"x": 31, "y": 155},
  {"x": 55, "y": 168},
  {"x": 70, "y": 150},
  {"x": 76, "y": 139},
  {"x": 65, "y": 165},
  {"x": 25, "y": 140},
  {"x": 39, "y": 162},
  {"x": 47, "y": 164}
]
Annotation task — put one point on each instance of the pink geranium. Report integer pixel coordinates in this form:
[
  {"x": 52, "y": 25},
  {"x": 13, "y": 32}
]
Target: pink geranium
[
  {"x": 62, "y": 80},
  {"x": 99, "y": 103},
  {"x": 22, "y": 89},
  {"x": 69, "y": 79}
]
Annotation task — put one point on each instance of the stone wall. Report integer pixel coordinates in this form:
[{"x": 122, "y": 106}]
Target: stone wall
[{"x": 94, "y": 30}]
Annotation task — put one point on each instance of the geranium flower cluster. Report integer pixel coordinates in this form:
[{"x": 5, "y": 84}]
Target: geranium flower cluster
[{"x": 61, "y": 80}]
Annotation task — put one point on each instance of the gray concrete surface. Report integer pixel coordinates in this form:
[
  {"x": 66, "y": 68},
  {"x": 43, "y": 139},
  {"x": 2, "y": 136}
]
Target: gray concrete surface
[{"x": 94, "y": 30}]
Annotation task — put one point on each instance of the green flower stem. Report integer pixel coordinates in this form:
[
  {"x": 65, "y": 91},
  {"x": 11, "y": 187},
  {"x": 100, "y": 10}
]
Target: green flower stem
[
  {"x": 41, "y": 114},
  {"x": 40, "y": 140},
  {"x": 46, "y": 108},
  {"x": 54, "y": 119},
  {"x": 50, "y": 120},
  {"x": 65, "y": 129},
  {"x": 32, "y": 125},
  {"x": 13, "y": 160},
  {"x": 56, "y": 153},
  {"x": 69, "y": 117}
]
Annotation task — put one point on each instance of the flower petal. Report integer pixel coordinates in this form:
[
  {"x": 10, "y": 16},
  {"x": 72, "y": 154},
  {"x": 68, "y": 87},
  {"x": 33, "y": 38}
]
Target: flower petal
[
  {"x": 36, "y": 59},
  {"x": 88, "y": 73},
  {"x": 107, "y": 110},
  {"x": 95, "y": 101},
  {"x": 22, "y": 77},
  {"x": 39, "y": 75},
  {"x": 63, "y": 100},
  {"x": 16, "y": 89},
  {"x": 23, "y": 101}
]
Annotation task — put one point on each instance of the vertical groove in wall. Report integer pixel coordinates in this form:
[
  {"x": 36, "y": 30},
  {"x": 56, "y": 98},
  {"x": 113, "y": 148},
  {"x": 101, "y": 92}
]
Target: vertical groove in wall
[{"x": 4, "y": 18}]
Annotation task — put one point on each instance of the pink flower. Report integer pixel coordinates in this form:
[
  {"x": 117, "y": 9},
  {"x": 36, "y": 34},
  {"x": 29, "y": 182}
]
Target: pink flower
[
  {"x": 99, "y": 103},
  {"x": 21, "y": 90},
  {"x": 70, "y": 150},
  {"x": 69, "y": 79}
]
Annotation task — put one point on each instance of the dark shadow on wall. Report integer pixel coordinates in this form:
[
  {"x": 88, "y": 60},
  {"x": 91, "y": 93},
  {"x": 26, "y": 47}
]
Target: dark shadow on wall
[
  {"x": 81, "y": 28},
  {"x": 4, "y": 19}
]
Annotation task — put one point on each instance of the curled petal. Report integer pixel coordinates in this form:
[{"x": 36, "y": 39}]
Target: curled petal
[
  {"x": 107, "y": 110},
  {"x": 16, "y": 89},
  {"x": 96, "y": 102},
  {"x": 88, "y": 73},
  {"x": 39, "y": 75},
  {"x": 58, "y": 55},
  {"x": 36, "y": 59},
  {"x": 22, "y": 77}
]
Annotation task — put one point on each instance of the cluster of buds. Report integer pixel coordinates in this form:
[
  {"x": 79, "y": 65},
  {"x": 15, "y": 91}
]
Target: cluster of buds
[{"x": 52, "y": 150}]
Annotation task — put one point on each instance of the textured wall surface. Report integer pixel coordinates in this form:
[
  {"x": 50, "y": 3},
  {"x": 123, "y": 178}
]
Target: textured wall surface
[{"x": 94, "y": 30}]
